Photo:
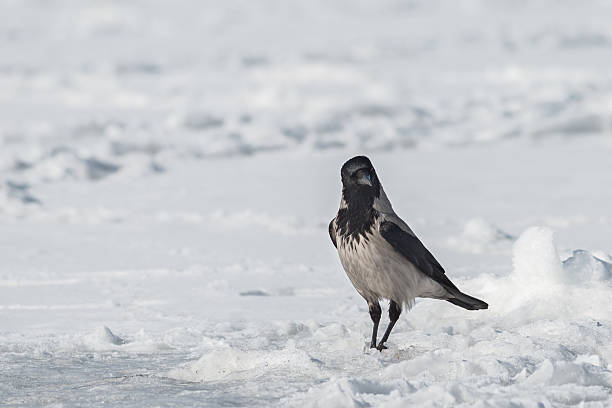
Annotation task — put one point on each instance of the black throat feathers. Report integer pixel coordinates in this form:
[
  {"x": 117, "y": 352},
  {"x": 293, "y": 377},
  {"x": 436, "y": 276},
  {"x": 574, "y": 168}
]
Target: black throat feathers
[{"x": 357, "y": 218}]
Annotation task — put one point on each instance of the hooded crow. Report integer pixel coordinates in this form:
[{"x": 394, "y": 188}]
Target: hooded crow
[{"x": 381, "y": 255}]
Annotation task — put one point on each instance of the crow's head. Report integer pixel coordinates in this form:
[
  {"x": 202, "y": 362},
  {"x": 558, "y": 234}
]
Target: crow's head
[{"x": 359, "y": 181}]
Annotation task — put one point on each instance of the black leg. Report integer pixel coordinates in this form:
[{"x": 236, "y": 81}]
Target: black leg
[
  {"x": 394, "y": 313},
  {"x": 375, "y": 314}
]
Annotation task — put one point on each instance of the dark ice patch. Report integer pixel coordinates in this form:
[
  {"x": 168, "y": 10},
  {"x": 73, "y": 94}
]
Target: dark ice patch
[
  {"x": 202, "y": 121},
  {"x": 95, "y": 128},
  {"x": 254, "y": 292},
  {"x": 21, "y": 192},
  {"x": 251, "y": 61},
  {"x": 123, "y": 148},
  {"x": 97, "y": 169},
  {"x": 142, "y": 68},
  {"x": 297, "y": 133}
]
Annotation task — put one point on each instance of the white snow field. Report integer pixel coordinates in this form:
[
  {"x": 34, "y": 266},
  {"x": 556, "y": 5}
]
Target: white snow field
[{"x": 168, "y": 170}]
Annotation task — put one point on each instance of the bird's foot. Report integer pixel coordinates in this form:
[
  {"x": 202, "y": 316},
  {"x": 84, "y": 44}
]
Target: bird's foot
[{"x": 381, "y": 347}]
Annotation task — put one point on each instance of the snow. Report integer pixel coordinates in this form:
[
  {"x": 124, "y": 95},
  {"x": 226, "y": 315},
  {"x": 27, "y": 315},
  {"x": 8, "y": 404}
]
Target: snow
[
  {"x": 168, "y": 171},
  {"x": 535, "y": 259}
]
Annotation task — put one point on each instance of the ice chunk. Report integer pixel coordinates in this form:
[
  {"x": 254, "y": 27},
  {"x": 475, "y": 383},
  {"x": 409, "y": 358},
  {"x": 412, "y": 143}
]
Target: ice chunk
[{"x": 583, "y": 266}]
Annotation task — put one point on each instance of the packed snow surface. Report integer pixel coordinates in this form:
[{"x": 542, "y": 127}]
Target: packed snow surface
[{"x": 168, "y": 171}]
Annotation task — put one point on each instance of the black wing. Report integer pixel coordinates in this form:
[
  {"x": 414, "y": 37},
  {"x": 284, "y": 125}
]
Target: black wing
[
  {"x": 332, "y": 232},
  {"x": 414, "y": 251}
]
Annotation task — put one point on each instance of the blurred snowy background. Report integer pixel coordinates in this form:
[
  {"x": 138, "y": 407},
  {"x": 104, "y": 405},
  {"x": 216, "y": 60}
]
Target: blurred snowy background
[{"x": 168, "y": 170}]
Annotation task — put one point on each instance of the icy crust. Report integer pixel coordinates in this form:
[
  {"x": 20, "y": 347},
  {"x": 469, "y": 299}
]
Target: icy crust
[
  {"x": 99, "y": 340},
  {"x": 235, "y": 329},
  {"x": 234, "y": 364},
  {"x": 543, "y": 342},
  {"x": 103, "y": 339}
]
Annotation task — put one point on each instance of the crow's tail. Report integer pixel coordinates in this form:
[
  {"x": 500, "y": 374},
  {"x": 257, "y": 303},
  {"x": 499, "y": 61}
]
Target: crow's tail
[{"x": 467, "y": 302}]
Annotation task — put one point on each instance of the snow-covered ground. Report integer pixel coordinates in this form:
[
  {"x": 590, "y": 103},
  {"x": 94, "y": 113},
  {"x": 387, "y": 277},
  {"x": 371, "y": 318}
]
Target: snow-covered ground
[{"x": 168, "y": 171}]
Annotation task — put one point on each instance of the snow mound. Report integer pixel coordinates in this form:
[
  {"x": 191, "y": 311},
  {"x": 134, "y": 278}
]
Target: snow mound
[
  {"x": 479, "y": 236},
  {"x": 535, "y": 258},
  {"x": 102, "y": 338},
  {"x": 235, "y": 364},
  {"x": 536, "y": 262},
  {"x": 541, "y": 286}
]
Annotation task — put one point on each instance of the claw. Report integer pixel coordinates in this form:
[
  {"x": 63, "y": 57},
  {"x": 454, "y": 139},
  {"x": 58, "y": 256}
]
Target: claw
[{"x": 381, "y": 347}]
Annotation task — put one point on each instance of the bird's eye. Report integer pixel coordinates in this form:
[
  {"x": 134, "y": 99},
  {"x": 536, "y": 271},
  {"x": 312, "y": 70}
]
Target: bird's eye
[{"x": 363, "y": 176}]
